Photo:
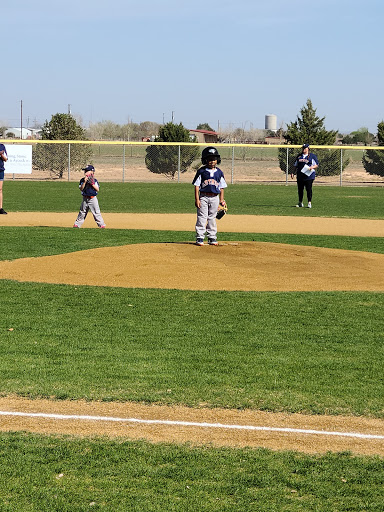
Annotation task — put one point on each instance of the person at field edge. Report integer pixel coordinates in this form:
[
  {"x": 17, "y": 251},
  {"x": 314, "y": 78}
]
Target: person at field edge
[
  {"x": 89, "y": 187},
  {"x": 305, "y": 164},
  {"x": 209, "y": 183},
  {"x": 3, "y": 158}
]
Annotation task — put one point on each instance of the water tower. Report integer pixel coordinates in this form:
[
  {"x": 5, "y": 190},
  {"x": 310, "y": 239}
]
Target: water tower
[{"x": 271, "y": 122}]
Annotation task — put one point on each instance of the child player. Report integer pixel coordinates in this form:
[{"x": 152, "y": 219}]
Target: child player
[
  {"x": 209, "y": 184},
  {"x": 89, "y": 187},
  {"x": 3, "y": 158}
]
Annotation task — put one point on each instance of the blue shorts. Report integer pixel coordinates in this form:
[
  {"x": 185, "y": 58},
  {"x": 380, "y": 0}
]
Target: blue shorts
[{"x": 1, "y": 175}]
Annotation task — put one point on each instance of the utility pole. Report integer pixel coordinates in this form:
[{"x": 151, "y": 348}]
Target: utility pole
[{"x": 21, "y": 119}]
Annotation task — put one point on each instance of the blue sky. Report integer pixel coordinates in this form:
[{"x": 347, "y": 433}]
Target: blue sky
[{"x": 228, "y": 63}]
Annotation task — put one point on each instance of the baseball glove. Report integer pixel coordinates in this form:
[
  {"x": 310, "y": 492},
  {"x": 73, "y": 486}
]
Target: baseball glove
[
  {"x": 91, "y": 179},
  {"x": 222, "y": 210}
]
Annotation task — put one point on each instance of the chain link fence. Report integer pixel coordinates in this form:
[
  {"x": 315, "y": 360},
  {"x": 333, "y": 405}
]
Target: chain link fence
[{"x": 161, "y": 162}]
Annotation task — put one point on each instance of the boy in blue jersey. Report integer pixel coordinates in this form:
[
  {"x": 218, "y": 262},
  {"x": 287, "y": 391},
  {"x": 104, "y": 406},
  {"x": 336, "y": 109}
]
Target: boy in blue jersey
[
  {"x": 89, "y": 187},
  {"x": 305, "y": 165},
  {"x": 209, "y": 185},
  {"x": 3, "y": 158}
]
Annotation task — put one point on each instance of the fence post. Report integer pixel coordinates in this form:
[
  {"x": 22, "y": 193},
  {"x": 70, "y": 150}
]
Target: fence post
[
  {"x": 69, "y": 161},
  {"x": 178, "y": 164},
  {"x": 286, "y": 168},
  {"x": 123, "y": 163},
  {"x": 233, "y": 163},
  {"x": 341, "y": 167}
]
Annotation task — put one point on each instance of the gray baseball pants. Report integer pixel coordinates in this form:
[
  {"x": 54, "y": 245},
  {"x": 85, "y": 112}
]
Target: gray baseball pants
[
  {"x": 89, "y": 204},
  {"x": 206, "y": 217}
]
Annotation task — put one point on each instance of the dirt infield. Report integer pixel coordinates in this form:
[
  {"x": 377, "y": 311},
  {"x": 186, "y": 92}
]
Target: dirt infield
[
  {"x": 186, "y": 222},
  {"x": 244, "y": 266}
]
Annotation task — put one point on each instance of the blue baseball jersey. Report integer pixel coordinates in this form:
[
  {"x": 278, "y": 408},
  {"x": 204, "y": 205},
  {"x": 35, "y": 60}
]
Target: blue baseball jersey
[
  {"x": 88, "y": 189},
  {"x": 301, "y": 161},
  {"x": 2, "y": 148},
  {"x": 209, "y": 181}
]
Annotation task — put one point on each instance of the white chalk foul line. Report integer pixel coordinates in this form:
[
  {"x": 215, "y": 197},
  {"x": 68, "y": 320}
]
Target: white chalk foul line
[{"x": 189, "y": 424}]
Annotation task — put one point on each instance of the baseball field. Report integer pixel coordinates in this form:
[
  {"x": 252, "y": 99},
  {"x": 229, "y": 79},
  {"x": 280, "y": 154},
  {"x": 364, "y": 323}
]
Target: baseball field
[{"x": 141, "y": 372}]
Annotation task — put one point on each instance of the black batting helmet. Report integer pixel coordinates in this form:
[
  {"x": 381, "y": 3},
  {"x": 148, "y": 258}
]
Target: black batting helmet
[{"x": 209, "y": 152}]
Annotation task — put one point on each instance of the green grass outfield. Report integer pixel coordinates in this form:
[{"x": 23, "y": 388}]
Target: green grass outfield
[
  {"x": 316, "y": 353},
  {"x": 352, "y": 202},
  {"x": 299, "y": 352},
  {"x": 63, "y": 474}
]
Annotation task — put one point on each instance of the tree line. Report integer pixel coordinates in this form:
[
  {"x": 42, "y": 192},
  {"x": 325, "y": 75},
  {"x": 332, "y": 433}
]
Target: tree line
[{"x": 168, "y": 160}]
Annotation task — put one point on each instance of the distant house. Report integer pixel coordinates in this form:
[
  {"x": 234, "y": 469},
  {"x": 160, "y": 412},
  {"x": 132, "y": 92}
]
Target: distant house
[
  {"x": 274, "y": 140},
  {"x": 28, "y": 133},
  {"x": 204, "y": 136}
]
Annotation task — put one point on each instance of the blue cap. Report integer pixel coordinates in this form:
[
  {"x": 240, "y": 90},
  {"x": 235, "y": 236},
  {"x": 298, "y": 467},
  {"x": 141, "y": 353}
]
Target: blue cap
[
  {"x": 305, "y": 146},
  {"x": 88, "y": 168}
]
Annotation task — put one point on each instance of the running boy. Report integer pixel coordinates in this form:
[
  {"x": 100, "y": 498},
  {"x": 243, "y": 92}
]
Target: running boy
[
  {"x": 209, "y": 184},
  {"x": 89, "y": 187}
]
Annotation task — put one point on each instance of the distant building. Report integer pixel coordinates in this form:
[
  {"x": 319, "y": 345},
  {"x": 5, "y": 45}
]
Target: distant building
[
  {"x": 28, "y": 133},
  {"x": 274, "y": 140},
  {"x": 204, "y": 136}
]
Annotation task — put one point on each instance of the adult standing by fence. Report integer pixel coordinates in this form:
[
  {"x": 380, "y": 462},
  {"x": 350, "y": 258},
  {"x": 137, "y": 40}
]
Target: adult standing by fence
[
  {"x": 305, "y": 165},
  {"x": 3, "y": 158}
]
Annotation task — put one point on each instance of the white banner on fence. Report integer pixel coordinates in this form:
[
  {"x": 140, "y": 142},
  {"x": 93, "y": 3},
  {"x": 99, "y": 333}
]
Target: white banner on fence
[{"x": 19, "y": 159}]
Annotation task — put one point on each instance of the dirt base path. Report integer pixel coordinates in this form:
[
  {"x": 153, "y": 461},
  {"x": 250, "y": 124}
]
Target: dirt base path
[
  {"x": 218, "y": 427},
  {"x": 186, "y": 222}
]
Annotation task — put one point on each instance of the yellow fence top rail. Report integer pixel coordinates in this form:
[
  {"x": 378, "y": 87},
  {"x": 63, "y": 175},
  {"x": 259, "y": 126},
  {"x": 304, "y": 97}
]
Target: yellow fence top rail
[{"x": 205, "y": 144}]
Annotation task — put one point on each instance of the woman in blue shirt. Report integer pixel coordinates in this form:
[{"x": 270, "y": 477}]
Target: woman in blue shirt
[{"x": 305, "y": 165}]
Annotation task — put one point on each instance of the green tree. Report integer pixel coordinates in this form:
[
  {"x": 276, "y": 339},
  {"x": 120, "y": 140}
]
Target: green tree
[
  {"x": 56, "y": 158},
  {"x": 373, "y": 160},
  {"x": 165, "y": 159},
  {"x": 204, "y": 126},
  {"x": 348, "y": 140},
  {"x": 111, "y": 131},
  {"x": 380, "y": 133},
  {"x": 360, "y": 136},
  {"x": 309, "y": 128}
]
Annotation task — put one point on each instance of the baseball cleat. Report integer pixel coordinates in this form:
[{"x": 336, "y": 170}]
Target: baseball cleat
[
  {"x": 300, "y": 205},
  {"x": 199, "y": 241},
  {"x": 212, "y": 241}
]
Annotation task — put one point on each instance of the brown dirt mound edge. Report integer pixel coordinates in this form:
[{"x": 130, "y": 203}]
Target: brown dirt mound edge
[{"x": 246, "y": 266}]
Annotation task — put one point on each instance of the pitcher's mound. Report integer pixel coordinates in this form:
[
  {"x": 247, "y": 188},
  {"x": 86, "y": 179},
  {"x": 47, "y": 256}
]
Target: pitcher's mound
[{"x": 229, "y": 266}]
